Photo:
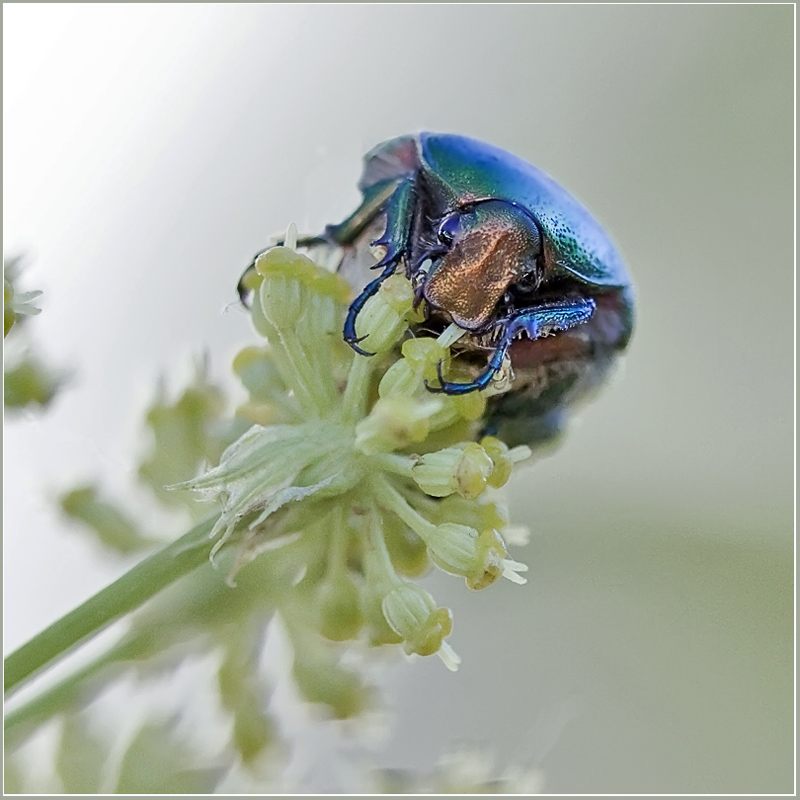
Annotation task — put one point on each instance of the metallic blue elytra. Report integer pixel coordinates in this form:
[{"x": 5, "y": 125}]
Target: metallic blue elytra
[{"x": 496, "y": 246}]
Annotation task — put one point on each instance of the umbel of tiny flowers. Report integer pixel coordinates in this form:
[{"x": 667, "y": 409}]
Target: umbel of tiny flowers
[{"x": 357, "y": 454}]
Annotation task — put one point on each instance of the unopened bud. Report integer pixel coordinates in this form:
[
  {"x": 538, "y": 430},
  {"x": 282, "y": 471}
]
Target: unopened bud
[
  {"x": 340, "y": 611},
  {"x": 460, "y": 550},
  {"x": 384, "y": 318},
  {"x": 455, "y": 469},
  {"x": 394, "y": 423},
  {"x": 290, "y": 282},
  {"x": 412, "y": 614}
]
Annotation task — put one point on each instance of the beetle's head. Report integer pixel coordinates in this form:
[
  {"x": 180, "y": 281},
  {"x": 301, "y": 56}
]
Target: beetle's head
[{"x": 484, "y": 248}]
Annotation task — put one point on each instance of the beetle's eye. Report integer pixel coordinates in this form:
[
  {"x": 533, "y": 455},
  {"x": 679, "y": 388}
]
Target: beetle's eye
[{"x": 448, "y": 230}]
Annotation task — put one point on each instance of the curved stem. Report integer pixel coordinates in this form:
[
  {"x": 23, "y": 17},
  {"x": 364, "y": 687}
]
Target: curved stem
[{"x": 119, "y": 598}]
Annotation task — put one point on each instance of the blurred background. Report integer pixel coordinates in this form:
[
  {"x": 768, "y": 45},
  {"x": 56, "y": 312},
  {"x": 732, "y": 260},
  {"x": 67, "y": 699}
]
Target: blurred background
[{"x": 151, "y": 150}]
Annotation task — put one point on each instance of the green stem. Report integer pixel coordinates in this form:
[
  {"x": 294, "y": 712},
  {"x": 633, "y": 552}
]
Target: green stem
[
  {"x": 395, "y": 463},
  {"x": 393, "y": 501},
  {"x": 382, "y": 561},
  {"x": 24, "y": 720},
  {"x": 119, "y": 598},
  {"x": 339, "y": 542},
  {"x": 355, "y": 393},
  {"x": 305, "y": 381}
]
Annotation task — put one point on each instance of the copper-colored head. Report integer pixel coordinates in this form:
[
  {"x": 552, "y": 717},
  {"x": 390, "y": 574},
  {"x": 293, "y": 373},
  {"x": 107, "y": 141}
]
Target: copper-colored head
[{"x": 492, "y": 245}]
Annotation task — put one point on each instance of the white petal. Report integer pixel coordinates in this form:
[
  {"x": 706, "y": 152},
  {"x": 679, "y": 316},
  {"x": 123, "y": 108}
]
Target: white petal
[
  {"x": 449, "y": 657},
  {"x": 510, "y": 570}
]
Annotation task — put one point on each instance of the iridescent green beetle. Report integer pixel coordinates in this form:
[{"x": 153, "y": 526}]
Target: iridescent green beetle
[{"x": 494, "y": 245}]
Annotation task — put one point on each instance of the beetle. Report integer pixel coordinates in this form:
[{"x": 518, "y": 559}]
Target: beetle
[{"x": 494, "y": 245}]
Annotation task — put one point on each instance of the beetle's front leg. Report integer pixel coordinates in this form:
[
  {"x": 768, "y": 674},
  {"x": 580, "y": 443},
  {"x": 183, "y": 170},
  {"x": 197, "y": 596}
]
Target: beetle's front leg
[
  {"x": 533, "y": 322},
  {"x": 343, "y": 234},
  {"x": 399, "y": 215}
]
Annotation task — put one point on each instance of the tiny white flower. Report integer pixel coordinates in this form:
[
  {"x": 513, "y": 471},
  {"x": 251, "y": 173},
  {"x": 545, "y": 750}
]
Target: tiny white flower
[
  {"x": 449, "y": 657},
  {"x": 511, "y": 570}
]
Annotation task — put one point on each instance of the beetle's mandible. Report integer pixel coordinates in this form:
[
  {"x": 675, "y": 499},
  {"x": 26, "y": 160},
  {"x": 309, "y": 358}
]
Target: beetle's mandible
[{"x": 497, "y": 247}]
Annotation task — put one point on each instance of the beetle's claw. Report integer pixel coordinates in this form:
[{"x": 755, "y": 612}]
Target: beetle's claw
[
  {"x": 447, "y": 387},
  {"x": 392, "y": 256},
  {"x": 354, "y": 344},
  {"x": 350, "y": 336},
  {"x": 442, "y": 382}
]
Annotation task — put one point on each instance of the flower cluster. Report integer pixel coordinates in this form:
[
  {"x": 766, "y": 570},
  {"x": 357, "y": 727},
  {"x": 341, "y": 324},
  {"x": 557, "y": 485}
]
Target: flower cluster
[
  {"x": 27, "y": 380},
  {"x": 16, "y": 304},
  {"x": 356, "y": 457}
]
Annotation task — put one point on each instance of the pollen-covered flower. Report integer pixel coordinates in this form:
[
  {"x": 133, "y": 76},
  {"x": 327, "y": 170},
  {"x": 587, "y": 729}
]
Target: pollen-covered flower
[{"x": 339, "y": 464}]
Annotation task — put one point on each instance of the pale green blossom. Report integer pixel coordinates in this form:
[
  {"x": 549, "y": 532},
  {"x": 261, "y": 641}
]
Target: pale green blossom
[{"x": 343, "y": 438}]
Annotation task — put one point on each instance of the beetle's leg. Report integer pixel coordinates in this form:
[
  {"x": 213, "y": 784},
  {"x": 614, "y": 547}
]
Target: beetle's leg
[
  {"x": 375, "y": 198},
  {"x": 342, "y": 234},
  {"x": 399, "y": 214},
  {"x": 534, "y": 322}
]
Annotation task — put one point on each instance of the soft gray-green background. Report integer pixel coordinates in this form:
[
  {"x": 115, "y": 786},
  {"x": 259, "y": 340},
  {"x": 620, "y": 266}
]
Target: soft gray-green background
[{"x": 149, "y": 151}]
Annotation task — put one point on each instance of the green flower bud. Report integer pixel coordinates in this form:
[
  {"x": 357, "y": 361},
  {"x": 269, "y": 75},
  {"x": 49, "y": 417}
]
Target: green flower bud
[
  {"x": 470, "y": 406},
  {"x": 384, "y": 318},
  {"x": 409, "y": 554},
  {"x": 459, "y": 409},
  {"x": 340, "y": 610},
  {"x": 395, "y": 422},
  {"x": 243, "y": 694},
  {"x": 282, "y": 300},
  {"x": 460, "y": 550},
  {"x": 456, "y": 469},
  {"x": 400, "y": 379},
  {"x": 379, "y": 631},
  {"x": 498, "y": 452},
  {"x": 412, "y": 614},
  {"x": 503, "y": 459},
  {"x": 29, "y": 382},
  {"x": 479, "y": 516},
  {"x": 322, "y": 320},
  {"x": 424, "y": 355},
  {"x": 293, "y": 284},
  {"x": 321, "y": 681},
  {"x": 258, "y": 373}
]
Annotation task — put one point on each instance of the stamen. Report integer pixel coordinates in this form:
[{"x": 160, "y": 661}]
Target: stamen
[
  {"x": 449, "y": 657},
  {"x": 450, "y": 335},
  {"x": 290, "y": 240}
]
